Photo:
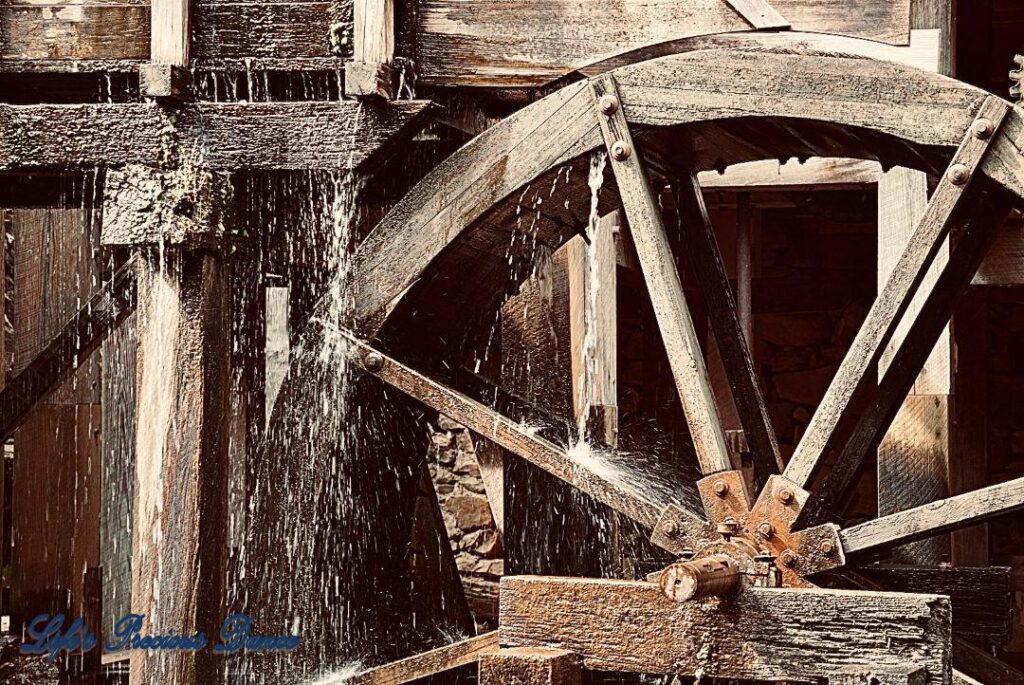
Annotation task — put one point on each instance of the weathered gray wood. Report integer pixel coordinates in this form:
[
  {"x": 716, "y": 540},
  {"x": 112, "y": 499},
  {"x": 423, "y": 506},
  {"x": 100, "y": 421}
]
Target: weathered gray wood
[
  {"x": 247, "y": 30},
  {"x": 428, "y": 663},
  {"x": 760, "y": 14},
  {"x": 931, "y": 519},
  {"x": 1004, "y": 263},
  {"x": 74, "y": 30},
  {"x": 868, "y": 674},
  {"x": 526, "y": 43},
  {"x": 890, "y": 305},
  {"x": 981, "y": 598},
  {"x": 589, "y": 471},
  {"x": 663, "y": 285},
  {"x": 226, "y": 136},
  {"x": 530, "y": 666},
  {"x": 630, "y": 626},
  {"x": 369, "y": 73},
  {"x": 179, "y": 517},
  {"x": 705, "y": 258},
  {"x": 170, "y": 24}
]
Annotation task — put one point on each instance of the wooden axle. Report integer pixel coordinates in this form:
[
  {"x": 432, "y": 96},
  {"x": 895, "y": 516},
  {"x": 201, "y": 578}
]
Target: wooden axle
[{"x": 713, "y": 576}]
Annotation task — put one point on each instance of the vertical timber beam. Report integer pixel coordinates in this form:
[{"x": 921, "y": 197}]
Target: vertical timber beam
[
  {"x": 530, "y": 666},
  {"x": 369, "y": 72},
  {"x": 913, "y": 458},
  {"x": 183, "y": 377},
  {"x": 165, "y": 76}
]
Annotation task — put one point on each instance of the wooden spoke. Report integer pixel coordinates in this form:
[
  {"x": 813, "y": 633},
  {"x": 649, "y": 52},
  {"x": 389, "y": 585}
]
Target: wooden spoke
[
  {"x": 706, "y": 260},
  {"x": 428, "y": 663},
  {"x": 663, "y": 284},
  {"x": 72, "y": 345},
  {"x": 597, "y": 473},
  {"x": 760, "y": 14},
  {"x": 871, "y": 425},
  {"x": 855, "y": 374},
  {"x": 593, "y": 331},
  {"x": 931, "y": 519}
]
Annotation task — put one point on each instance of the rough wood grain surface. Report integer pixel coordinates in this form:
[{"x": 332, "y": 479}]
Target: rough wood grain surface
[
  {"x": 530, "y": 666},
  {"x": 889, "y": 306},
  {"x": 931, "y": 519},
  {"x": 664, "y": 287},
  {"x": 759, "y": 13},
  {"x": 170, "y": 26},
  {"x": 216, "y": 136},
  {"x": 531, "y": 42},
  {"x": 428, "y": 663},
  {"x": 64, "y": 31},
  {"x": 769, "y": 634}
]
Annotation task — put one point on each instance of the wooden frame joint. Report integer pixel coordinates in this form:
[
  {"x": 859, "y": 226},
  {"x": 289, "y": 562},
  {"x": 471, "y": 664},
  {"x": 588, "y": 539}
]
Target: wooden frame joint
[{"x": 164, "y": 81}]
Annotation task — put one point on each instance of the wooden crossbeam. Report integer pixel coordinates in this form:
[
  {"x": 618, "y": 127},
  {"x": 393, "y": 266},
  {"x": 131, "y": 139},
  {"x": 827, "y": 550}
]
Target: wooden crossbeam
[
  {"x": 705, "y": 258},
  {"x": 663, "y": 285},
  {"x": 593, "y": 473},
  {"x": 68, "y": 349},
  {"x": 760, "y": 14},
  {"x": 428, "y": 663},
  {"x": 853, "y": 378},
  {"x": 229, "y": 136},
  {"x": 761, "y": 634},
  {"x": 877, "y": 535}
]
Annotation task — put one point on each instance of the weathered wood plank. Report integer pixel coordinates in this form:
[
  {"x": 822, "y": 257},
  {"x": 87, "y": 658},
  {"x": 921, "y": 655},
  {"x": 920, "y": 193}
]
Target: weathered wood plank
[
  {"x": 705, "y": 258},
  {"x": 759, "y": 14},
  {"x": 82, "y": 31},
  {"x": 530, "y": 666},
  {"x": 794, "y": 175},
  {"x": 428, "y": 663},
  {"x": 589, "y": 471},
  {"x": 261, "y": 29},
  {"x": 663, "y": 285},
  {"x": 981, "y": 597},
  {"x": 890, "y": 305},
  {"x": 179, "y": 517},
  {"x": 1004, "y": 263},
  {"x": 531, "y": 42},
  {"x": 931, "y": 519},
  {"x": 593, "y": 330},
  {"x": 369, "y": 72},
  {"x": 762, "y": 634},
  {"x": 170, "y": 25},
  {"x": 227, "y": 136}
]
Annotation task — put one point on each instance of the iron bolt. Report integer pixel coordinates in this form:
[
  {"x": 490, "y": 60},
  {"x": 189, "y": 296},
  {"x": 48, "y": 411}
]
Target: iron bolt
[
  {"x": 958, "y": 174},
  {"x": 728, "y": 527},
  {"x": 789, "y": 559},
  {"x": 982, "y": 128},
  {"x": 826, "y": 547},
  {"x": 766, "y": 529},
  {"x": 620, "y": 150},
  {"x": 609, "y": 104},
  {"x": 721, "y": 488},
  {"x": 785, "y": 496},
  {"x": 373, "y": 361},
  {"x": 670, "y": 528}
]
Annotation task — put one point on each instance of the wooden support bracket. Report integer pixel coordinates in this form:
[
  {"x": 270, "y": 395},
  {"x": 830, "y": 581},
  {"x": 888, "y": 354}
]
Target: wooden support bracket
[{"x": 530, "y": 666}]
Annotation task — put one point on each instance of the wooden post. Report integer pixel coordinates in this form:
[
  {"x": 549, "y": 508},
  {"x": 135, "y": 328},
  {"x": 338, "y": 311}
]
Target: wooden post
[
  {"x": 166, "y": 74},
  {"x": 369, "y": 72},
  {"x": 183, "y": 386},
  {"x": 530, "y": 666},
  {"x": 913, "y": 459}
]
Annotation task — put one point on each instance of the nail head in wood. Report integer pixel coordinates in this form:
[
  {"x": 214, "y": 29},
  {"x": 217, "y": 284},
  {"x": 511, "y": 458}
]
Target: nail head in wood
[
  {"x": 620, "y": 150},
  {"x": 608, "y": 104},
  {"x": 373, "y": 362},
  {"x": 958, "y": 174}
]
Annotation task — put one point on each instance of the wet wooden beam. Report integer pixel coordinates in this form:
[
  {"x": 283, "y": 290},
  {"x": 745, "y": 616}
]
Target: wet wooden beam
[
  {"x": 369, "y": 72},
  {"x": 663, "y": 285},
  {"x": 428, "y": 663},
  {"x": 761, "y": 634},
  {"x": 282, "y": 135},
  {"x": 530, "y": 666},
  {"x": 68, "y": 349}
]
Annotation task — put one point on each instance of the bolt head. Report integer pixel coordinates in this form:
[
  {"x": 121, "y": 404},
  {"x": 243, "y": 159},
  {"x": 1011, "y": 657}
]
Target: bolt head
[
  {"x": 609, "y": 104},
  {"x": 728, "y": 527},
  {"x": 827, "y": 547},
  {"x": 766, "y": 529},
  {"x": 721, "y": 488},
  {"x": 982, "y": 128},
  {"x": 785, "y": 496},
  {"x": 958, "y": 174},
  {"x": 620, "y": 150},
  {"x": 670, "y": 528},
  {"x": 788, "y": 559},
  {"x": 373, "y": 361}
]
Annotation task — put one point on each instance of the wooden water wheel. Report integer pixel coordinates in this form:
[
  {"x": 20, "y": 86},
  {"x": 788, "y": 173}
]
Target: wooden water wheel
[{"x": 751, "y": 560}]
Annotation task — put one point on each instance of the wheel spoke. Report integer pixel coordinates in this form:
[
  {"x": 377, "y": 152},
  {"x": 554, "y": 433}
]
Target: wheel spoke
[
  {"x": 706, "y": 260},
  {"x": 663, "y": 284},
  {"x": 854, "y": 376},
  {"x": 931, "y": 519},
  {"x": 601, "y": 474}
]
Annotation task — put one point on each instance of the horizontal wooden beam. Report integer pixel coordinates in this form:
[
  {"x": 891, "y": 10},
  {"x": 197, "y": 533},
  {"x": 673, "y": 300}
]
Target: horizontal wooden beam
[
  {"x": 68, "y": 349},
  {"x": 279, "y": 135},
  {"x": 761, "y": 634},
  {"x": 816, "y": 172}
]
